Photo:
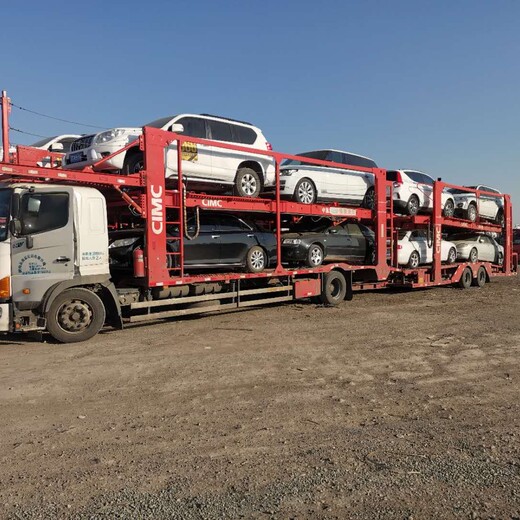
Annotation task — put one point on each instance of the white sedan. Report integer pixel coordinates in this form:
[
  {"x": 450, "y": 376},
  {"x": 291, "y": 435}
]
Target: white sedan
[
  {"x": 414, "y": 249},
  {"x": 308, "y": 183},
  {"x": 475, "y": 247}
]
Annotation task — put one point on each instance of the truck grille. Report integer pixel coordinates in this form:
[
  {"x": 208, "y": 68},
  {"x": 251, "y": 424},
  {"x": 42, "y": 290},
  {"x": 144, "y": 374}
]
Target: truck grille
[{"x": 81, "y": 143}]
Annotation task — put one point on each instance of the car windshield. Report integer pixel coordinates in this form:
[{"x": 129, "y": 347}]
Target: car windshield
[
  {"x": 41, "y": 142},
  {"x": 5, "y": 203},
  {"x": 320, "y": 155},
  {"x": 401, "y": 234},
  {"x": 464, "y": 236},
  {"x": 159, "y": 123},
  {"x": 457, "y": 191}
]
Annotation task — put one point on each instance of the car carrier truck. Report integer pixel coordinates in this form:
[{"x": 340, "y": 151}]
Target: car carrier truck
[{"x": 55, "y": 272}]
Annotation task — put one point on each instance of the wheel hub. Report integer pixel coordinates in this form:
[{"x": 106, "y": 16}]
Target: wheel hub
[
  {"x": 305, "y": 192},
  {"x": 74, "y": 316},
  {"x": 257, "y": 259},
  {"x": 248, "y": 184}
]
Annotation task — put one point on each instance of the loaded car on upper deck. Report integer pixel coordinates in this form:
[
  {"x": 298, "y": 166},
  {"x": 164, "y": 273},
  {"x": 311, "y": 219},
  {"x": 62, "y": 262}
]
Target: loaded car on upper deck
[
  {"x": 308, "y": 183},
  {"x": 488, "y": 205},
  {"x": 211, "y": 167}
]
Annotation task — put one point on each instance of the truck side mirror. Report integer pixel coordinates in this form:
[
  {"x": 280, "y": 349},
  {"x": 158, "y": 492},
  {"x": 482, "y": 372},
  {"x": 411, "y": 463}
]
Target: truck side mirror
[{"x": 15, "y": 227}]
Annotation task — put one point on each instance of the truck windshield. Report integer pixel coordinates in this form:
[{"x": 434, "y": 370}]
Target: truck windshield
[{"x": 5, "y": 206}]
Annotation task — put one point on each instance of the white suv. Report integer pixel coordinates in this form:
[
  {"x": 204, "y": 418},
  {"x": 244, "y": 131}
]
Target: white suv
[
  {"x": 248, "y": 174},
  {"x": 413, "y": 192},
  {"x": 487, "y": 206}
]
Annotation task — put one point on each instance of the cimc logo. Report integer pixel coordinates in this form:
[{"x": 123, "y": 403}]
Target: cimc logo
[
  {"x": 208, "y": 203},
  {"x": 157, "y": 209}
]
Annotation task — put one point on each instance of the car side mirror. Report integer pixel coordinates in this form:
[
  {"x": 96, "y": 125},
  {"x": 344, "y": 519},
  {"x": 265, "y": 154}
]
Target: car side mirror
[
  {"x": 177, "y": 128},
  {"x": 333, "y": 231},
  {"x": 56, "y": 147}
]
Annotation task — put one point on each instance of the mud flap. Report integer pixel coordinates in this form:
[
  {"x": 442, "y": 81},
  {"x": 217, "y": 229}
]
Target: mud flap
[{"x": 348, "y": 278}]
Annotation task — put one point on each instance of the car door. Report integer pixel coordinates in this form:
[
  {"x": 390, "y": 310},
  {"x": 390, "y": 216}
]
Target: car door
[
  {"x": 358, "y": 182},
  {"x": 486, "y": 249},
  {"x": 224, "y": 161},
  {"x": 339, "y": 244},
  {"x": 334, "y": 181},
  {"x": 236, "y": 239},
  {"x": 205, "y": 249},
  {"x": 488, "y": 205},
  {"x": 44, "y": 252},
  {"x": 358, "y": 242},
  {"x": 419, "y": 240},
  {"x": 196, "y": 158}
]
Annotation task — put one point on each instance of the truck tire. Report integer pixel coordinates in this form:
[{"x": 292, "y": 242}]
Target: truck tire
[
  {"x": 75, "y": 315},
  {"x": 466, "y": 278},
  {"x": 481, "y": 278},
  {"x": 134, "y": 162},
  {"x": 334, "y": 288}
]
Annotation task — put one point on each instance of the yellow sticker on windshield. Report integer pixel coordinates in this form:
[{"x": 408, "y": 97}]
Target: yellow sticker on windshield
[{"x": 189, "y": 151}]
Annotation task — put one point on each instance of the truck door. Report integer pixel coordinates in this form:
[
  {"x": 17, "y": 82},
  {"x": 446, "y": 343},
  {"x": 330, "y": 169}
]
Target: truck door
[{"x": 43, "y": 251}]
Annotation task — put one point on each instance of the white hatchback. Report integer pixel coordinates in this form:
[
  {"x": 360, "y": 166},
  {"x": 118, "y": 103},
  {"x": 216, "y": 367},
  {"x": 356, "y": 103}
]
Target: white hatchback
[
  {"x": 309, "y": 183},
  {"x": 247, "y": 173},
  {"x": 414, "y": 248},
  {"x": 413, "y": 192}
]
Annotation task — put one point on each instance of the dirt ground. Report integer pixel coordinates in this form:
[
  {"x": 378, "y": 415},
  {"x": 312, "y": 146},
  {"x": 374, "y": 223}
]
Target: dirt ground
[{"x": 397, "y": 405}]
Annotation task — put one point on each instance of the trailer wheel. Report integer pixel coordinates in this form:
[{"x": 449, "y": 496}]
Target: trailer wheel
[
  {"x": 256, "y": 260},
  {"x": 334, "y": 288},
  {"x": 315, "y": 256},
  {"x": 414, "y": 260},
  {"x": 471, "y": 213},
  {"x": 134, "y": 162},
  {"x": 481, "y": 278},
  {"x": 412, "y": 206},
  {"x": 466, "y": 278},
  {"x": 247, "y": 183},
  {"x": 75, "y": 315},
  {"x": 473, "y": 256}
]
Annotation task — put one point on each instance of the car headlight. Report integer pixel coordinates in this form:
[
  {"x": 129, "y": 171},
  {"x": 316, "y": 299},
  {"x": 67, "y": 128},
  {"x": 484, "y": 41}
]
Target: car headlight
[
  {"x": 109, "y": 135},
  {"x": 293, "y": 241},
  {"x": 287, "y": 173},
  {"x": 123, "y": 242}
]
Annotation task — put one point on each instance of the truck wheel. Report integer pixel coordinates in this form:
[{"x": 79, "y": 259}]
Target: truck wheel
[
  {"x": 481, "y": 278},
  {"x": 247, "y": 183},
  {"x": 75, "y": 315},
  {"x": 471, "y": 213},
  {"x": 134, "y": 163},
  {"x": 466, "y": 278},
  {"x": 334, "y": 288},
  {"x": 256, "y": 260}
]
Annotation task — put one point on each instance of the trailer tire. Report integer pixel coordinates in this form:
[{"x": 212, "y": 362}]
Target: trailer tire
[
  {"x": 247, "y": 183},
  {"x": 256, "y": 260},
  {"x": 481, "y": 277},
  {"x": 75, "y": 315},
  {"x": 466, "y": 278},
  {"x": 334, "y": 288},
  {"x": 134, "y": 162}
]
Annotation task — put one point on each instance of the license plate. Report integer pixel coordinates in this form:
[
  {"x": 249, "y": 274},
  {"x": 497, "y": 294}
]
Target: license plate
[{"x": 76, "y": 157}]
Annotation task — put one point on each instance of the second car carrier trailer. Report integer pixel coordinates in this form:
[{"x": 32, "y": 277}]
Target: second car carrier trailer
[{"x": 55, "y": 273}]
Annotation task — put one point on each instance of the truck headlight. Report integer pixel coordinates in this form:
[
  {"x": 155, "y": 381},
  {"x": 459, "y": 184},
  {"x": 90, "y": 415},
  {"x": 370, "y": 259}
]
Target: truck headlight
[
  {"x": 109, "y": 135},
  {"x": 293, "y": 241}
]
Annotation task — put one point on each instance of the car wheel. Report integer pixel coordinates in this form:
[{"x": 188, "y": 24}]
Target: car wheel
[
  {"x": 449, "y": 208},
  {"x": 134, "y": 163},
  {"x": 305, "y": 191},
  {"x": 500, "y": 220},
  {"x": 334, "y": 288},
  {"x": 75, "y": 315},
  {"x": 315, "y": 256},
  {"x": 466, "y": 278},
  {"x": 414, "y": 260},
  {"x": 471, "y": 213},
  {"x": 369, "y": 201},
  {"x": 412, "y": 206},
  {"x": 473, "y": 256},
  {"x": 481, "y": 278},
  {"x": 452, "y": 256},
  {"x": 247, "y": 183},
  {"x": 256, "y": 260},
  {"x": 500, "y": 258}
]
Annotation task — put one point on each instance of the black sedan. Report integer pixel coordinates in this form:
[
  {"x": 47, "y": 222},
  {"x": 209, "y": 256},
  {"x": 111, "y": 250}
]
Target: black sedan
[
  {"x": 221, "y": 240},
  {"x": 348, "y": 242}
]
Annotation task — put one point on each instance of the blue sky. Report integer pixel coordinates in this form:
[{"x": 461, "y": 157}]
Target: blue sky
[{"x": 412, "y": 84}]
